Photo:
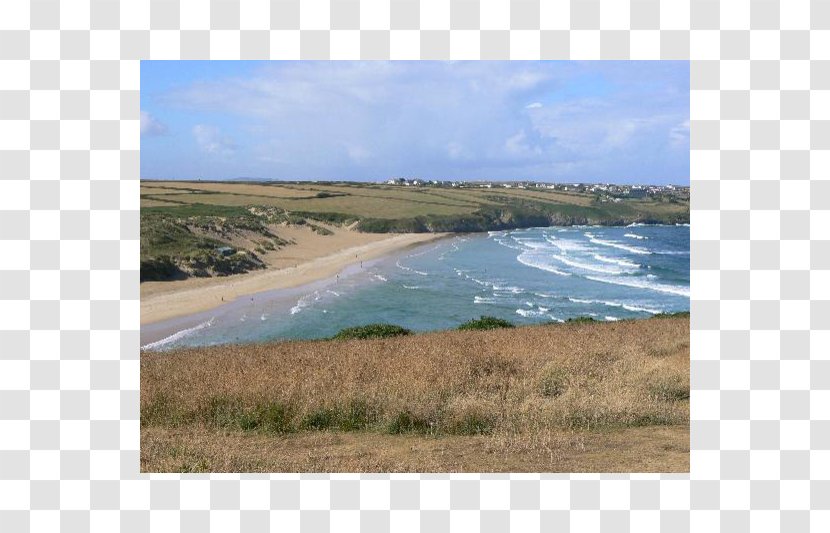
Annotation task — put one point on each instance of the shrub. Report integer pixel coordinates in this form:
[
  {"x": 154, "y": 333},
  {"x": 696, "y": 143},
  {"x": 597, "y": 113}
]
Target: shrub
[
  {"x": 320, "y": 230},
  {"x": 320, "y": 419},
  {"x": 158, "y": 269},
  {"x": 473, "y": 424},
  {"x": 485, "y": 322},
  {"x": 670, "y": 390},
  {"x": 680, "y": 314},
  {"x": 406, "y": 422},
  {"x": 372, "y": 331},
  {"x": 274, "y": 418},
  {"x": 162, "y": 410},
  {"x": 223, "y": 412},
  {"x": 581, "y": 319},
  {"x": 357, "y": 415}
]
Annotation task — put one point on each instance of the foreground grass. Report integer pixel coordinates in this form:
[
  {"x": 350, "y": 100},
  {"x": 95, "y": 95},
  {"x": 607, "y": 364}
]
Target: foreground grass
[
  {"x": 197, "y": 449},
  {"x": 570, "y": 397}
]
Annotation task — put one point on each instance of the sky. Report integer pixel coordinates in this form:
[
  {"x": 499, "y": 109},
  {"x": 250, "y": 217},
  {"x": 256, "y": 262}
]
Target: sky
[{"x": 556, "y": 121}]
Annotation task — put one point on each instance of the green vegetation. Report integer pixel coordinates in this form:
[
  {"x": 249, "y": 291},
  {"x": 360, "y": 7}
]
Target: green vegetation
[
  {"x": 581, "y": 319},
  {"x": 485, "y": 322},
  {"x": 406, "y": 422},
  {"x": 388, "y": 208},
  {"x": 473, "y": 424},
  {"x": 372, "y": 331},
  {"x": 182, "y": 223},
  {"x": 670, "y": 388},
  {"x": 679, "y": 314}
]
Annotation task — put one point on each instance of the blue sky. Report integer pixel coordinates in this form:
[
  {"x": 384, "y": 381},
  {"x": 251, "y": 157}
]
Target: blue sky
[{"x": 589, "y": 121}]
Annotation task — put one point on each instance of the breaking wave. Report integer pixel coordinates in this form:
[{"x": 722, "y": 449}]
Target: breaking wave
[
  {"x": 643, "y": 284},
  {"x": 177, "y": 336}
]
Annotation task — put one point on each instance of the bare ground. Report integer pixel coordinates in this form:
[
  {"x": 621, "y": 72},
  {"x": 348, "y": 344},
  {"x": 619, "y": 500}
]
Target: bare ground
[{"x": 659, "y": 449}]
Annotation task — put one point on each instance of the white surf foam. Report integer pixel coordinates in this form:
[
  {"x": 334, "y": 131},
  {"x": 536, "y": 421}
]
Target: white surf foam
[
  {"x": 611, "y": 318},
  {"x": 586, "y": 266},
  {"x": 302, "y": 303},
  {"x": 643, "y": 284},
  {"x": 636, "y": 308},
  {"x": 503, "y": 242},
  {"x": 635, "y": 236},
  {"x": 540, "y": 263},
  {"x": 544, "y": 295},
  {"x": 615, "y": 244},
  {"x": 615, "y": 261},
  {"x": 671, "y": 252},
  {"x": 568, "y": 245},
  {"x": 177, "y": 336},
  {"x": 580, "y": 300},
  {"x": 627, "y": 306},
  {"x": 529, "y": 312},
  {"x": 507, "y": 288}
]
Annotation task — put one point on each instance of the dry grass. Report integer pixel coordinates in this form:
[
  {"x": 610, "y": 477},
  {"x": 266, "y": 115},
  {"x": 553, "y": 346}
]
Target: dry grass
[{"x": 532, "y": 394}]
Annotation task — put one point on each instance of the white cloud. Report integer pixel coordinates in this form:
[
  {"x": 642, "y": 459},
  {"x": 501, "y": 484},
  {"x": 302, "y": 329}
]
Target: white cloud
[
  {"x": 357, "y": 154},
  {"x": 371, "y": 119},
  {"x": 151, "y": 126},
  {"x": 456, "y": 151},
  {"x": 679, "y": 134},
  {"x": 519, "y": 145},
  {"x": 212, "y": 141}
]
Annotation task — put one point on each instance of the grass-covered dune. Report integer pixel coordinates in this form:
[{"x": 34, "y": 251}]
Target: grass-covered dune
[{"x": 580, "y": 396}]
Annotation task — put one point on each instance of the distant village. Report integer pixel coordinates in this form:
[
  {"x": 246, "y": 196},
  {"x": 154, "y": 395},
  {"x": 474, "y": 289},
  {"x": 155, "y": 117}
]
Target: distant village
[{"x": 605, "y": 192}]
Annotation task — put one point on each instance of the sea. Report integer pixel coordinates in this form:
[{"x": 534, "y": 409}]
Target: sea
[{"x": 526, "y": 276}]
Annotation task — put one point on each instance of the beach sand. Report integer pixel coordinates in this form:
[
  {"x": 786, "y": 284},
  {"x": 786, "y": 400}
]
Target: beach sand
[{"x": 312, "y": 258}]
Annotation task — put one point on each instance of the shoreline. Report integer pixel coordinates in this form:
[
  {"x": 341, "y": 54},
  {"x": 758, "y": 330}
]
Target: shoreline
[{"x": 198, "y": 295}]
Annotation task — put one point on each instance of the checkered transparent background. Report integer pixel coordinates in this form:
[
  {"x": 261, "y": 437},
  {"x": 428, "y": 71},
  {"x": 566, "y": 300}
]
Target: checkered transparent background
[{"x": 69, "y": 226}]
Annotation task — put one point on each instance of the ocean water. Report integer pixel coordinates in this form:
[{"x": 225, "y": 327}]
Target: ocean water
[{"x": 526, "y": 276}]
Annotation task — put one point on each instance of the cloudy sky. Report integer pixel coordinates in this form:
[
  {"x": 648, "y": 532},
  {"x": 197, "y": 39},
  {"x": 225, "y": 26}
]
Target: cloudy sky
[{"x": 591, "y": 121}]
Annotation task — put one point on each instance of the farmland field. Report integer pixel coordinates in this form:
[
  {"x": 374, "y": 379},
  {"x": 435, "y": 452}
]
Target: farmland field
[{"x": 395, "y": 202}]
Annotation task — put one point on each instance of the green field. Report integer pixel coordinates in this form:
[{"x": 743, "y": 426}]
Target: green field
[
  {"x": 184, "y": 222},
  {"x": 369, "y": 202}
]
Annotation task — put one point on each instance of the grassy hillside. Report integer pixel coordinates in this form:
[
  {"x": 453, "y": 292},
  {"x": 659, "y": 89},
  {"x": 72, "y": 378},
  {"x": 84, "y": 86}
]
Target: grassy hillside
[
  {"x": 397, "y": 208},
  {"x": 183, "y": 223},
  {"x": 570, "y": 397}
]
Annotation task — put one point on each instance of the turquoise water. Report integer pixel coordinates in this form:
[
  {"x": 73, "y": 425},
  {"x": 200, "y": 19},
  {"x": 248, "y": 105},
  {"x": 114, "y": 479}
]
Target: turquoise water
[{"x": 526, "y": 276}]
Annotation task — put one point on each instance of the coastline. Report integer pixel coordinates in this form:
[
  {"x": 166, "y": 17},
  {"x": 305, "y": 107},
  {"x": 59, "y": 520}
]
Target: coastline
[{"x": 162, "y": 301}]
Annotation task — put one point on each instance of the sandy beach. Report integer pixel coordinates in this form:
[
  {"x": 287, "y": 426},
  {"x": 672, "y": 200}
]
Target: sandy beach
[{"x": 312, "y": 258}]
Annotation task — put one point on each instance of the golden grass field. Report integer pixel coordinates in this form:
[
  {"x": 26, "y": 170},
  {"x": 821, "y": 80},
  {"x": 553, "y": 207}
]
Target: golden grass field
[{"x": 595, "y": 397}]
